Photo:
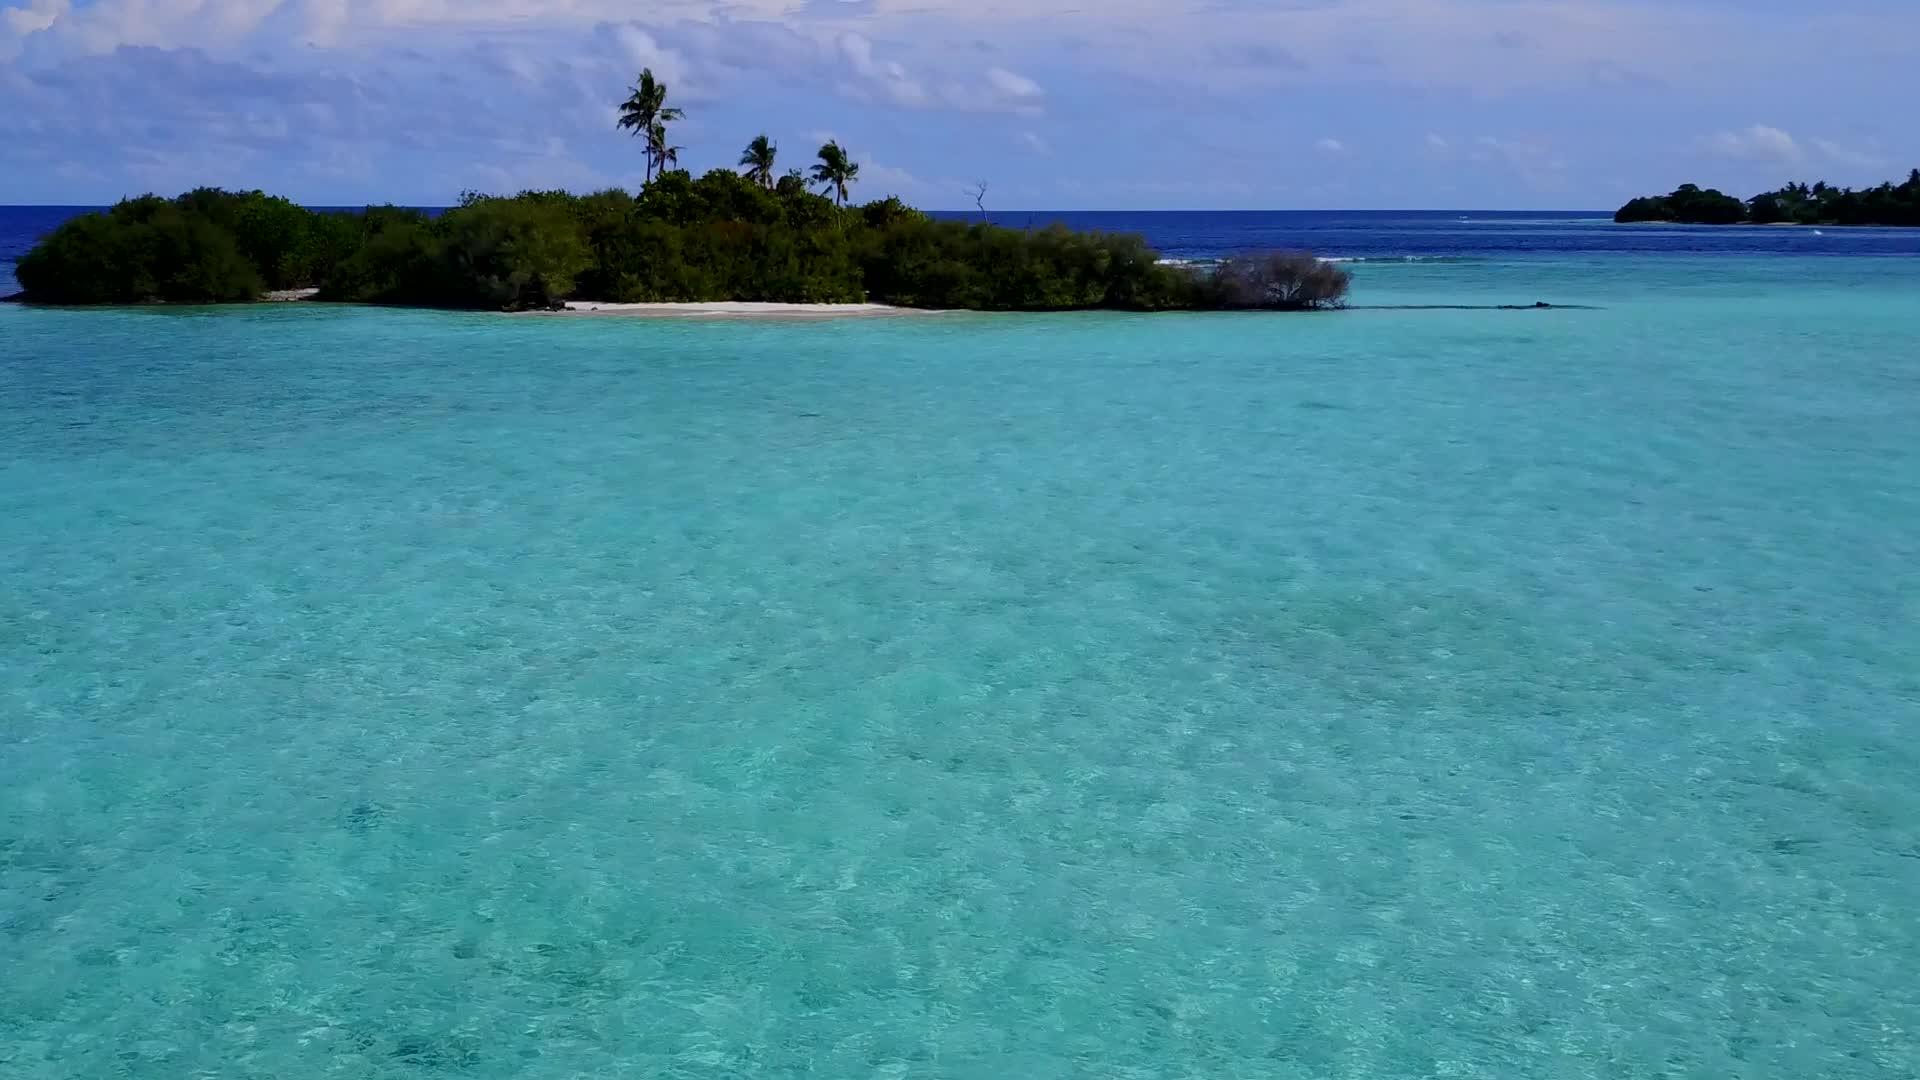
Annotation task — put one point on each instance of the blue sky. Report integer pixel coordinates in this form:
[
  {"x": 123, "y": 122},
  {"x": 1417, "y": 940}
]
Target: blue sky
[{"x": 1055, "y": 103}]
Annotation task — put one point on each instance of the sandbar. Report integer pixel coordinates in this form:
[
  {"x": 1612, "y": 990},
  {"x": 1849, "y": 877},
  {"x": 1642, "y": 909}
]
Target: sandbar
[{"x": 735, "y": 309}]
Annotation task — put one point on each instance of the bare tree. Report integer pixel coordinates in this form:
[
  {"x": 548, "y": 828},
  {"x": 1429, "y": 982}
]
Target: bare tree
[
  {"x": 1278, "y": 281},
  {"x": 978, "y": 192}
]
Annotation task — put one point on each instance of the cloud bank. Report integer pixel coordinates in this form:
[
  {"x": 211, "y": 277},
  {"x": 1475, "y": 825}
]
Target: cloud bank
[{"x": 1464, "y": 103}]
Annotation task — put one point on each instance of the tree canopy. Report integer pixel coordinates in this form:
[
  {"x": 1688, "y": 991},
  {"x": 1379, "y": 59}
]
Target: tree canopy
[
  {"x": 836, "y": 171},
  {"x": 721, "y": 236},
  {"x": 757, "y": 159},
  {"x": 1796, "y": 203},
  {"x": 646, "y": 114}
]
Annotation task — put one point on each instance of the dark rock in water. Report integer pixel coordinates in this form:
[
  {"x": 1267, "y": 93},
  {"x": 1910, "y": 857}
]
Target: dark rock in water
[
  {"x": 16, "y": 298},
  {"x": 457, "y": 1054},
  {"x": 1537, "y": 305},
  {"x": 365, "y": 818}
]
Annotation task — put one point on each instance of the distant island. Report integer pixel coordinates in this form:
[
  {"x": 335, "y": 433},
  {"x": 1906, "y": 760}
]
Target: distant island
[
  {"x": 747, "y": 236},
  {"x": 1795, "y": 204}
]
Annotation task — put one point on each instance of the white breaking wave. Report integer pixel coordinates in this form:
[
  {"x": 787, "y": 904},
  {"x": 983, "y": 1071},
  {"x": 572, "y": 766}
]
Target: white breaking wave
[
  {"x": 1338, "y": 259},
  {"x": 1396, "y": 258}
]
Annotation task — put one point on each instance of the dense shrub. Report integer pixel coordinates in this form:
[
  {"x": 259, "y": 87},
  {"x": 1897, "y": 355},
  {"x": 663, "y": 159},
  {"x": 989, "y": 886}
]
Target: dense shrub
[
  {"x": 142, "y": 250},
  {"x": 881, "y": 213},
  {"x": 1823, "y": 204},
  {"x": 916, "y": 262},
  {"x": 207, "y": 246},
  {"x": 499, "y": 254},
  {"x": 1687, "y": 204},
  {"x": 715, "y": 237},
  {"x": 510, "y": 254},
  {"x": 291, "y": 246},
  {"x": 1277, "y": 281},
  {"x": 395, "y": 260},
  {"x": 1801, "y": 204},
  {"x": 676, "y": 198}
]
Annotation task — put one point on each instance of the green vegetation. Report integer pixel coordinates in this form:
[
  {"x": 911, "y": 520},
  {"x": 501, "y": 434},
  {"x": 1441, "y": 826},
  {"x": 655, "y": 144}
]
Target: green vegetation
[
  {"x": 1797, "y": 204},
  {"x": 206, "y": 246},
  {"x": 835, "y": 172},
  {"x": 722, "y": 236},
  {"x": 646, "y": 114},
  {"x": 1688, "y": 204},
  {"x": 757, "y": 160},
  {"x": 1285, "y": 280}
]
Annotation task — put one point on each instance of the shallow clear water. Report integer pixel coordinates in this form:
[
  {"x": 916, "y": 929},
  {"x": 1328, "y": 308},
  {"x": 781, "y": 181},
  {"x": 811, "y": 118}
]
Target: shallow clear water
[{"x": 1382, "y": 694}]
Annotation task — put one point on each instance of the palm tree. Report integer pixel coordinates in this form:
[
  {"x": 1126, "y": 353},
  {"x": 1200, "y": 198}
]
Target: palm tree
[
  {"x": 658, "y": 150},
  {"x": 757, "y": 158},
  {"x": 645, "y": 110},
  {"x": 835, "y": 171}
]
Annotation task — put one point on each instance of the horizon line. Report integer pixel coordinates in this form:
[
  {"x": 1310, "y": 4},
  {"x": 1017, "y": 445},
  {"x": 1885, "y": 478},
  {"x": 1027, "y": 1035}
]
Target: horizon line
[{"x": 976, "y": 210}]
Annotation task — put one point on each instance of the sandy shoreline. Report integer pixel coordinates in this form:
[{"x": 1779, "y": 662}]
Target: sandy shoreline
[
  {"x": 717, "y": 309},
  {"x": 734, "y": 309}
]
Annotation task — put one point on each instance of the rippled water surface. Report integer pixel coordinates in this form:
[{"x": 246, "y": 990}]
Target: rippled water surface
[{"x": 1391, "y": 693}]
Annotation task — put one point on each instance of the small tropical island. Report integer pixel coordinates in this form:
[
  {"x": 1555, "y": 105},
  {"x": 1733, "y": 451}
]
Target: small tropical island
[
  {"x": 1796, "y": 204},
  {"x": 754, "y": 235}
]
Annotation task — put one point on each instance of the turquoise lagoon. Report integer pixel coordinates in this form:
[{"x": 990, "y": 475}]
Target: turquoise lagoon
[{"x": 1392, "y": 693}]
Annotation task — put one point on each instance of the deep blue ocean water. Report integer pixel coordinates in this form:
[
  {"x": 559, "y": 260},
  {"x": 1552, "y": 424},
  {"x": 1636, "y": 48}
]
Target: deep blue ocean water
[{"x": 1396, "y": 692}]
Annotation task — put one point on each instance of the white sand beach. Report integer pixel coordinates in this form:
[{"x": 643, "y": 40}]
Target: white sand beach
[{"x": 736, "y": 309}]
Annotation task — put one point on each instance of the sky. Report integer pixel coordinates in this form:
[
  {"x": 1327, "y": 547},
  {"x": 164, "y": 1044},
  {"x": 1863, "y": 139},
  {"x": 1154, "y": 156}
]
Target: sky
[{"x": 1055, "y": 104}]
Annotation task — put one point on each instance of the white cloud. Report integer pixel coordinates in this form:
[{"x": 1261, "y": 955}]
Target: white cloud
[
  {"x": 640, "y": 50},
  {"x": 883, "y": 80},
  {"x": 1006, "y": 91},
  {"x": 886, "y": 179},
  {"x": 1534, "y": 162},
  {"x": 35, "y": 17},
  {"x": 1012, "y": 85},
  {"x": 1207, "y": 187},
  {"x": 878, "y": 180},
  {"x": 399, "y": 77},
  {"x": 865, "y": 76},
  {"x": 539, "y": 169},
  {"x": 1847, "y": 156},
  {"x": 1757, "y": 143},
  {"x": 1457, "y": 44}
]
